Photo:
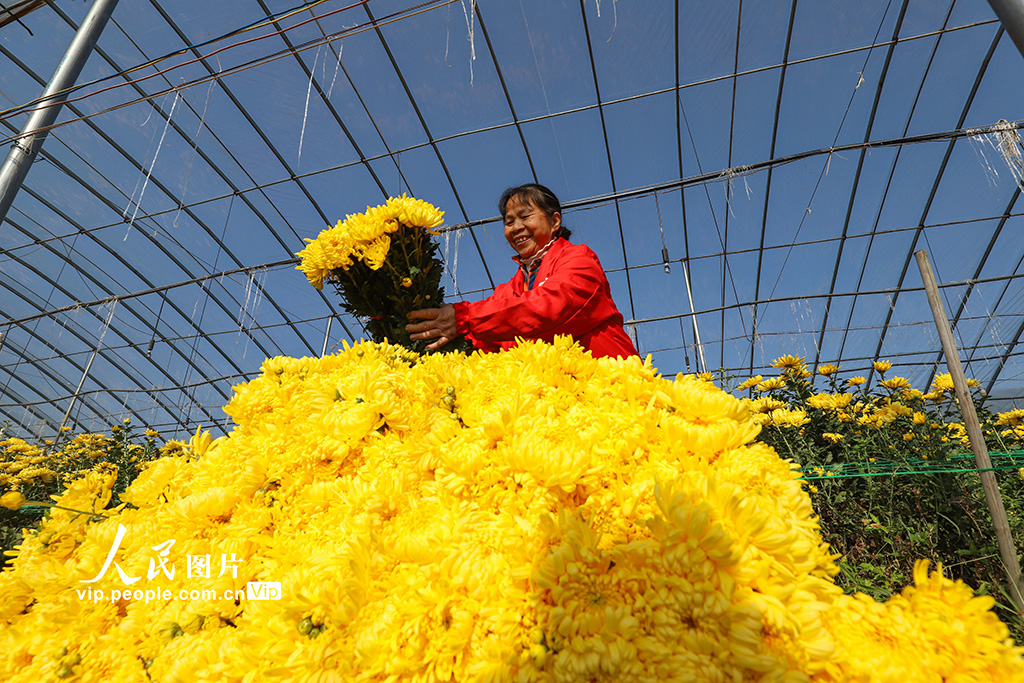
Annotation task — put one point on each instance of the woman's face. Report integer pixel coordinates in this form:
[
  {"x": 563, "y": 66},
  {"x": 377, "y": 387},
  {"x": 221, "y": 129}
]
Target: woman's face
[{"x": 527, "y": 227}]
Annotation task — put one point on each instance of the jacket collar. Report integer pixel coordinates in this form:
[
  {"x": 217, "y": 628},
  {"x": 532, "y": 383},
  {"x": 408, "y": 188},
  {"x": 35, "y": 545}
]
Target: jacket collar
[
  {"x": 538, "y": 262},
  {"x": 532, "y": 262}
]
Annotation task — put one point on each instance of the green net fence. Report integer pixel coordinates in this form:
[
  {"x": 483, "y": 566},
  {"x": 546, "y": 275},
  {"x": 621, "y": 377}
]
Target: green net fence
[{"x": 1001, "y": 460}]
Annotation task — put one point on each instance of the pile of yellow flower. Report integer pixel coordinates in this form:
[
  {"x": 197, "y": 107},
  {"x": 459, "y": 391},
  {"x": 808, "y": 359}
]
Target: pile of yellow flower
[{"x": 531, "y": 515}]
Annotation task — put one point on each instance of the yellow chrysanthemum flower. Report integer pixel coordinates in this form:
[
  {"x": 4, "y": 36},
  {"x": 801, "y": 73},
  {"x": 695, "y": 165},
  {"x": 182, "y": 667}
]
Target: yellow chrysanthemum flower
[
  {"x": 173, "y": 447},
  {"x": 788, "y": 363},
  {"x": 828, "y": 369},
  {"x": 1011, "y": 418},
  {"x": 750, "y": 383},
  {"x": 12, "y": 500},
  {"x": 856, "y": 381},
  {"x": 957, "y": 432},
  {"x": 882, "y": 366},
  {"x": 830, "y": 401},
  {"x": 765, "y": 404},
  {"x": 832, "y": 437},
  {"x": 770, "y": 384},
  {"x": 789, "y": 418},
  {"x": 895, "y": 383}
]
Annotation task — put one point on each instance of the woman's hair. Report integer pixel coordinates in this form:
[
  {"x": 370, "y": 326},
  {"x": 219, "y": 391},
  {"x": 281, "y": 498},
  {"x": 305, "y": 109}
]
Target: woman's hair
[{"x": 540, "y": 196}]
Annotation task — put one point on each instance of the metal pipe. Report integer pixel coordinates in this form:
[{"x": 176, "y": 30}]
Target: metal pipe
[
  {"x": 693, "y": 316},
  {"x": 993, "y": 496},
  {"x": 27, "y": 145},
  {"x": 1011, "y": 14},
  {"x": 327, "y": 336}
]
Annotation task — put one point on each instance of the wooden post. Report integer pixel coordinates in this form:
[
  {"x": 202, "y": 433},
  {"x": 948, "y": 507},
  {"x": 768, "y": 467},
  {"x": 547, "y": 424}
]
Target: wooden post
[{"x": 1007, "y": 551}]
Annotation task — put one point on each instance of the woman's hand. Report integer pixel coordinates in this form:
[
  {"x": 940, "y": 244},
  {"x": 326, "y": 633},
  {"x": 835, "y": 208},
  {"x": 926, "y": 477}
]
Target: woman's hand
[{"x": 438, "y": 324}]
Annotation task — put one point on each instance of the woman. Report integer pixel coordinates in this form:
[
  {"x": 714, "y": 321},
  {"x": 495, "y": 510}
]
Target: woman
[{"x": 560, "y": 288}]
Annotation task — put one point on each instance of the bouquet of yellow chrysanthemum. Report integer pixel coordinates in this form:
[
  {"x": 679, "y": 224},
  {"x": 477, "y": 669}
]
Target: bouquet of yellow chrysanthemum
[{"x": 383, "y": 263}]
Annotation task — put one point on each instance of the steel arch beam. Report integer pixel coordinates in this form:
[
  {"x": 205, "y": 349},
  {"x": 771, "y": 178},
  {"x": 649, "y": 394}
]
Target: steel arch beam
[
  {"x": 768, "y": 183},
  {"x": 113, "y": 208},
  {"x": 608, "y": 154},
  {"x": 56, "y": 286},
  {"x": 934, "y": 190},
  {"x": 23, "y": 152},
  {"x": 857, "y": 174}
]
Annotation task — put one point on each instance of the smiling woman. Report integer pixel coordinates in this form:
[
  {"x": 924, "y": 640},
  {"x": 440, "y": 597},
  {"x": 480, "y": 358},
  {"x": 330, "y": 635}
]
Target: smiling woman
[{"x": 559, "y": 288}]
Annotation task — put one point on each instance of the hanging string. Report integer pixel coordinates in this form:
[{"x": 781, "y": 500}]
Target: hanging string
[
  {"x": 206, "y": 299},
  {"x": 138, "y": 181},
  {"x": 544, "y": 94},
  {"x": 167, "y": 124},
  {"x": 686, "y": 353},
  {"x": 728, "y": 174},
  {"x": 88, "y": 365},
  {"x": 254, "y": 293},
  {"x": 828, "y": 159},
  {"x": 1005, "y": 140},
  {"x": 615, "y": 16},
  {"x": 195, "y": 150},
  {"x": 470, "y": 17},
  {"x": 453, "y": 257},
  {"x": 337, "y": 66},
  {"x": 305, "y": 112}
]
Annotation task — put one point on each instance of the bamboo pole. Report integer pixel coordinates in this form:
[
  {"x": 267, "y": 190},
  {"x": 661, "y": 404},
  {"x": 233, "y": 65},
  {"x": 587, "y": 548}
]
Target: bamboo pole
[{"x": 993, "y": 497}]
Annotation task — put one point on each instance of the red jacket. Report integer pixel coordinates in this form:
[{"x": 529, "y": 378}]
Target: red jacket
[{"x": 571, "y": 296}]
